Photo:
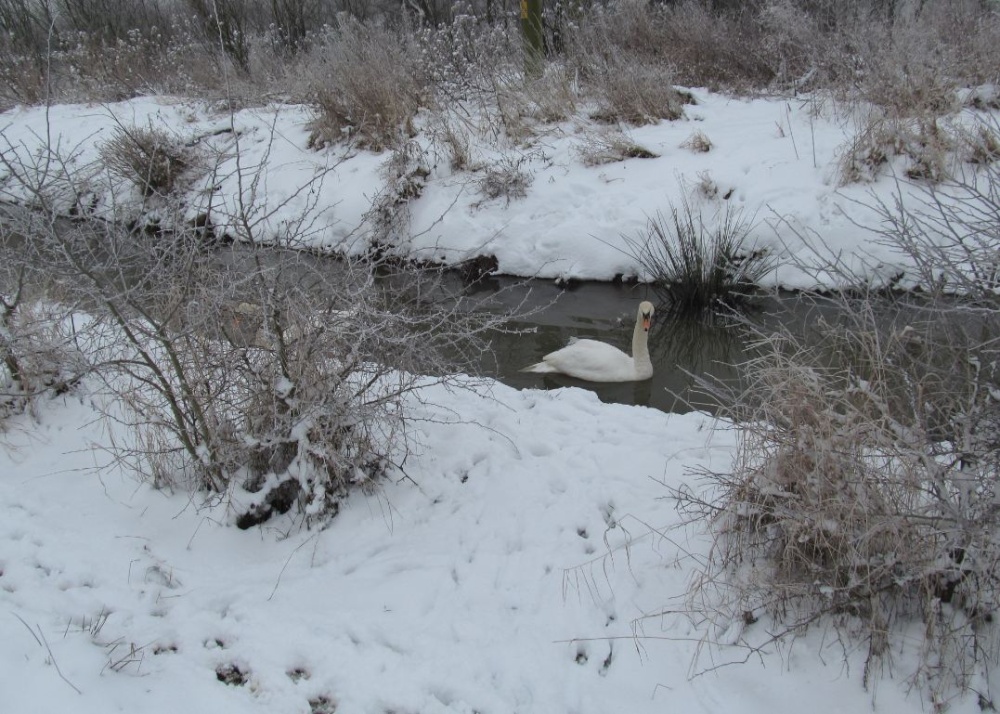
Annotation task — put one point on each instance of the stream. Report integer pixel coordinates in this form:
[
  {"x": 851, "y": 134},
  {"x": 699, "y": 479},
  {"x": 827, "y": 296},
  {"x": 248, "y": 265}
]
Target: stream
[{"x": 681, "y": 350}]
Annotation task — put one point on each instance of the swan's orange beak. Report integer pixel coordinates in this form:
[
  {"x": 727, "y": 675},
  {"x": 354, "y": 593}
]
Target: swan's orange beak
[{"x": 646, "y": 319}]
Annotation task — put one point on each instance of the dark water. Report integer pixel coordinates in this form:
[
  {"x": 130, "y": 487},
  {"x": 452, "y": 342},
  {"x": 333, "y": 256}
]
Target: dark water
[{"x": 682, "y": 351}]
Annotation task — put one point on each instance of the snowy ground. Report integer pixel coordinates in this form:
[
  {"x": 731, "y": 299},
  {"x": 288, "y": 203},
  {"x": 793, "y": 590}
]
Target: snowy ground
[
  {"x": 496, "y": 578},
  {"x": 496, "y": 581}
]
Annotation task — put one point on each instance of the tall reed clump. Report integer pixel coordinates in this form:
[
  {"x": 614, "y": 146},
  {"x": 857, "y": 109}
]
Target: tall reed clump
[{"x": 697, "y": 267}]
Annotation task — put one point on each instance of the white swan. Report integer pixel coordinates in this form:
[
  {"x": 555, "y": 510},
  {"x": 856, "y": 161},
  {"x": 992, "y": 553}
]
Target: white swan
[{"x": 599, "y": 362}]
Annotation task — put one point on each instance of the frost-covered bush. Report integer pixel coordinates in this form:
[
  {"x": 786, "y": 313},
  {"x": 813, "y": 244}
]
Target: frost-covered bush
[
  {"x": 258, "y": 371},
  {"x": 863, "y": 496},
  {"x": 273, "y": 374},
  {"x": 950, "y": 232},
  {"x": 38, "y": 353},
  {"x": 365, "y": 86}
]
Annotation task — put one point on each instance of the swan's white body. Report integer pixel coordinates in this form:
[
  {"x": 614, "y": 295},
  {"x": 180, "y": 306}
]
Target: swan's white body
[{"x": 599, "y": 362}]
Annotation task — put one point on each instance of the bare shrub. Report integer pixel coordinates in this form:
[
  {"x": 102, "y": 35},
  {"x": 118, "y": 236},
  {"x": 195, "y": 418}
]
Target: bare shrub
[
  {"x": 365, "y": 87},
  {"x": 949, "y": 233},
  {"x": 863, "y": 494},
  {"x": 24, "y": 39},
  {"x": 608, "y": 146},
  {"x": 697, "y": 268},
  {"x": 39, "y": 351},
  {"x": 22, "y": 78},
  {"x": 228, "y": 24},
  {"x": 295, "y": 20},
  {"x": 110, "y": 20},
  {"x": 909, "y": 63},
  {"x": 292, "y": 394},
  {"x": 149, "y": 158},
  {"x": 259, "y": 373},
  {"x": 467, "y": 60},
  {"x": 860, "y": 495}
]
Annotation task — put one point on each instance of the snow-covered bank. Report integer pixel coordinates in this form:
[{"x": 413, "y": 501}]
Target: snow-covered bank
[
  {"x": 778, "y": 160},
  {"x": 458, "y": 591}
]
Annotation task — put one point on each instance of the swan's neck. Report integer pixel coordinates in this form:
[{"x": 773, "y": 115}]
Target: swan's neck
[{"x": 640, "y": 348}]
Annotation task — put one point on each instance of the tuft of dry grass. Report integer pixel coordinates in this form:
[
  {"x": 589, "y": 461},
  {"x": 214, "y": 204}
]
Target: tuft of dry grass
[
  {"x": 149, "y": 158},
  {"x": 507, "y": 179},
  {"x": 634, "y": 93},
  {"x": 608, "y": 146},
  {"x": 983, "y": 144},
  {"x": 405, "y": 174},
  {"x": 697, "y": 267},
  {"x": 698, "y": 143}
]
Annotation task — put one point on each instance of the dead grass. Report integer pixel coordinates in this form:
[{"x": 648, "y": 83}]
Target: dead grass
[
  {"x": 862, "y": 496},
  {"x": 698, "y": 265},
  {"x": 859, "y": 497},
  {"x": 982, "y": 144},
  {"x": 698, "y": 143},
  {"x": 507, "y": 178},
  {"x": 906, "y": 57},
  {"x": 609, "y": 145},
  {"x": 928, "y": 146},
  {"x": 149, "y": 158},
  {"x": 633, "y": 93},
  {"x": 365, "y": 89}
]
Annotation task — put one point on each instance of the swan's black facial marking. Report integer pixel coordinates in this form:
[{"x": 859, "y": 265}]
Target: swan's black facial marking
[{"x": 647, "y": 318}]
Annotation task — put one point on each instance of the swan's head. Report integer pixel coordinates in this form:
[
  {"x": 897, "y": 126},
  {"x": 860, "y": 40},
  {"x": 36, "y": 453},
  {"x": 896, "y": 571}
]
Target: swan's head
[{"x": 646, "y": 314}]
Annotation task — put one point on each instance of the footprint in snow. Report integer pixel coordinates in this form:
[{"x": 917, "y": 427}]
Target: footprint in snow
[{"x": 540, "y": 449}]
